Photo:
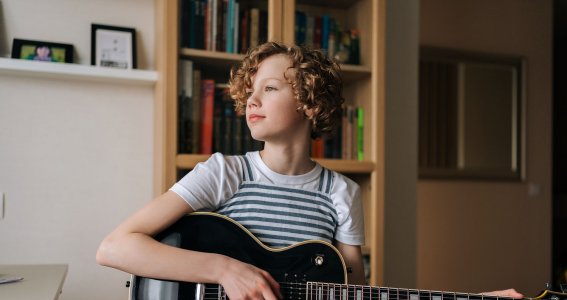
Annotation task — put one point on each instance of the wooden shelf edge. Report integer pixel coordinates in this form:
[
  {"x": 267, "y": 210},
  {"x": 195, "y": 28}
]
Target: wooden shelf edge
[
  {"x": 189, "y": 161},
  {"x": 23, "y": 67},
  {"x": 211, "y": 54},
  {"x": 347, "y": 166}
]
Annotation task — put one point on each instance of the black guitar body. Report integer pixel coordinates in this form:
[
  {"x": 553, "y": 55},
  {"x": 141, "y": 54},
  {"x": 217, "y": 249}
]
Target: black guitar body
[
  {"x": 207, "y": 232},
  {"x": 309, "y": 270}
]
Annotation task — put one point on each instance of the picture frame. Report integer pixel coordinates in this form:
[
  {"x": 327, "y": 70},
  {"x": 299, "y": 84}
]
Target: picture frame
[
  {"x": 42, "y": 51},
  {"x": 113, "y": 46}
]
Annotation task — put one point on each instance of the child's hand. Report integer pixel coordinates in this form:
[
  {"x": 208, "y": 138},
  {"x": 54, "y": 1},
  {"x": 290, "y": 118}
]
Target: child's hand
[
  {"x": 512, "y": 293},
  {"x": 242, "y": 281}
]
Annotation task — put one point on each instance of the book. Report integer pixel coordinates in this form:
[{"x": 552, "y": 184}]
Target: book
[
  {"x": 185, "y": 106},
  {"x": 196, "y": 112},
  {"x": 184, "y": 22},
  {"x": 214, "y": 25},
  {"x": 254, "y": 27},
  {"x": 207, "y": 111},
  {"x": 244, "y": 29},
  {"x": 317, "y": 148},
  {"x": 236, "y": 27},
  {"x": 360, "y": 133},
  {"x": 318, "y": 32}
]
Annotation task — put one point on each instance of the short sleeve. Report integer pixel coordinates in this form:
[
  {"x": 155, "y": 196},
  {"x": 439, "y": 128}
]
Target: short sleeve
[
  {"x": 210, "y": 183},
  {"x": 348, "y": 204}
]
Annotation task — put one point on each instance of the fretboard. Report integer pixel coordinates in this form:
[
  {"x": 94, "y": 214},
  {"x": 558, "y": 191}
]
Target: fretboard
[{"x": 331, "y": 291}]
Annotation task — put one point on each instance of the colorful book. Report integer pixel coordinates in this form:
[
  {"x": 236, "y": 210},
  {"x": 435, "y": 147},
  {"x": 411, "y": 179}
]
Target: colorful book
[
  {"x": 207, "y": 112},
  {"x": 196, "y": 112},
  {"x": 254, "y": 27},
  {"x": 360, "y": 135}
]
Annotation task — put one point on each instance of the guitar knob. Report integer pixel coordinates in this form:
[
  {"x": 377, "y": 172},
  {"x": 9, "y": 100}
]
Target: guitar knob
[{"x": 319, "y": 260}]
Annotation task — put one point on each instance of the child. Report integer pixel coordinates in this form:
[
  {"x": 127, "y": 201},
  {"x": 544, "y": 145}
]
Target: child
[{"x": 290, "y": 95}]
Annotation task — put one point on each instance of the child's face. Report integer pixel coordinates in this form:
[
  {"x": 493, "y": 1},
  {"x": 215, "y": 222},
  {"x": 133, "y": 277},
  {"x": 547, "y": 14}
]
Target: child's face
[{"x": 271, "y": 109}]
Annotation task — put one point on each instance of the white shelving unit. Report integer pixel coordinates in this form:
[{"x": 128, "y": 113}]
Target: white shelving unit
[{"x": 63, "y": 71}]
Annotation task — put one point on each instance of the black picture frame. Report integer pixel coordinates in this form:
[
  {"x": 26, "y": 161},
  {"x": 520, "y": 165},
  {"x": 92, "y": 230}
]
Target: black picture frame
[
  {"x": 42, "y": 51},
  {"x": 113, "y": 46}
]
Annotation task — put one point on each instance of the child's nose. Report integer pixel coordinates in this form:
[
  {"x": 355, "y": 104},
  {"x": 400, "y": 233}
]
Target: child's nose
[{"x": 253, "y": 100}]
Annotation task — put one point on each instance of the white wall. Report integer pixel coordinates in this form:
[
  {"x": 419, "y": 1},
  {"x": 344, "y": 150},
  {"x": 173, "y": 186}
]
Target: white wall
[
  {"x": 75, "y": 157},
  {"x": 482, "y": 235}
]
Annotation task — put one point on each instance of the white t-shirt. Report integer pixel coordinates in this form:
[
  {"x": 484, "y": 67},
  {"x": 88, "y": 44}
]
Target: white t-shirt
[{"x": 213, "y": 183}]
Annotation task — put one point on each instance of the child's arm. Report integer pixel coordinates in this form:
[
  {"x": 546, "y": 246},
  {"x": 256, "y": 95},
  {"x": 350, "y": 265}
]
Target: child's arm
[
  {"x": 131, "y": 248},
  {"x": 353, "y": 260}
]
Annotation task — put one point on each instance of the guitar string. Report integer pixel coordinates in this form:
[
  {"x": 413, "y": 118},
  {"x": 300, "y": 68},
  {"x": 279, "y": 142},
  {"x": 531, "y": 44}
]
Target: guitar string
[{"x": 355, "y": 291}]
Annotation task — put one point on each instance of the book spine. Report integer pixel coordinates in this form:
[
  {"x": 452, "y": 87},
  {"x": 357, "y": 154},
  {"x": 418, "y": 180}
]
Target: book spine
[
  {"x": 208, "y": 100},
  {"x": 254, "y": 24},
  {"x": 196, "y": 112},
  {"x": 325, "y": 33},
  {"x": 214, "y": 21},
  {"x": 318, "y": 32},
  {"x": 235, "y": 26},
  {"x": 228, "y": 25},
  {"x": 184, "y": 106},
  {"x": 244, "y": 29},
  {"x": 360, "y": 134},
  {"x": 208, "y": 17},
  {"x": 309, "y": 30}
]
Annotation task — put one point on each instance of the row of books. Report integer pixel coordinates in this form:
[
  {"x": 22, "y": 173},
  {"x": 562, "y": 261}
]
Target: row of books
[
  {"x": 347, "y": 142},
  {"x": 222, "y": 25},
  {"x": 208, "y": 123},
  {"x": 324, "y": 32}
]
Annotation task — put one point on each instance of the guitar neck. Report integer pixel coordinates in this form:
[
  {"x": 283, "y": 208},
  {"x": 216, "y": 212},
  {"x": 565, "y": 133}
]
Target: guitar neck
[
  {"x": 329, "y": 291},
  {"x": 333, "y": 291}
]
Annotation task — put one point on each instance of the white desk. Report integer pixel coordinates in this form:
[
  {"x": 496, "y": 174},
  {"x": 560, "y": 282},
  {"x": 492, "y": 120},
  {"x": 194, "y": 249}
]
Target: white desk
[{"x": 41, "y": 282}]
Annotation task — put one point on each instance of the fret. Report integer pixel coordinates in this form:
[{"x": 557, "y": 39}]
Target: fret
[
  {"x": 331, "y": 292},
  {"x": 449, "y": 296},
  {"x": 359, "y": 292},
  {"x": 393, "y": 294},
  {"x": 436, "y": 296},
  {"x": 413, "y": 294},
  {"x": 367, "y": 293},
  {"x": 424, "y": 295},
  {"x": 383, "y": 293},
  {"x": 404, "y": 294},
  {"x": 461, "y": 296}
]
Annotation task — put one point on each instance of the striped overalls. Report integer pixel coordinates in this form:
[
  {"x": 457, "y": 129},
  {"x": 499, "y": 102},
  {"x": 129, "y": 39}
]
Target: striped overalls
[{"x": 280, "y": 216}]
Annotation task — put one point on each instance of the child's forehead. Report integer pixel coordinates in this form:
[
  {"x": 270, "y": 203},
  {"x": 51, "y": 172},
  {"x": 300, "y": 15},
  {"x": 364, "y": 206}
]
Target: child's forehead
[{"x": 274, "y": 67}]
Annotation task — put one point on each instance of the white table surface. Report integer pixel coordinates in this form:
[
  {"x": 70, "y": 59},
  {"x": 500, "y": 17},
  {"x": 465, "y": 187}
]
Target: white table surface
[{"x": 41, "y": 282}]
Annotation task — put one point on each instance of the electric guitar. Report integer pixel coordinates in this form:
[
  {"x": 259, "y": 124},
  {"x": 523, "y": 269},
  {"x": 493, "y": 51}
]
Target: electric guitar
[{"x": 310, "y": 270}]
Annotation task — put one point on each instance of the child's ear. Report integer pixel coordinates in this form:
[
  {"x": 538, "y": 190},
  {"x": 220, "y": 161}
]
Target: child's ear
[{"x": 308, "y": 112}]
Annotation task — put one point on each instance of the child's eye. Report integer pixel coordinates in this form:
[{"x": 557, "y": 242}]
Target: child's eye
[
  {"x": 269, "y": 88},
  {"x": 248, "y": 94}
]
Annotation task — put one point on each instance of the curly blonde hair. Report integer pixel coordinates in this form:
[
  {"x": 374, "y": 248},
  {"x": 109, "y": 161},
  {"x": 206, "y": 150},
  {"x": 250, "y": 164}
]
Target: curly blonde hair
[{"x": 317, "y": 84}]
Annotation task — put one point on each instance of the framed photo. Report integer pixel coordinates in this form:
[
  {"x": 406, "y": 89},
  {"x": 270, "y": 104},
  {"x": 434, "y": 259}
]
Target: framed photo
[
  {"x": 42, "y": 51},
  {"x": 113, "y": 46}
]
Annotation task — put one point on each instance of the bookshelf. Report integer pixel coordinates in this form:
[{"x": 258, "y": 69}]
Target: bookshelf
[{"x": 363, "y": 87}]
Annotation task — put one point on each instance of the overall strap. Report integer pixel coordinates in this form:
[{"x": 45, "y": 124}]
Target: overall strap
[
  {"x": 247, "y": 174},
  {"x": 325, "y": 181}
]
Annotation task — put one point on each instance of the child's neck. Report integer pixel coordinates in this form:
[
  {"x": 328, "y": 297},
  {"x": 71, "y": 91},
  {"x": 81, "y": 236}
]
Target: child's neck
[{"x": 287, "y": 160}]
